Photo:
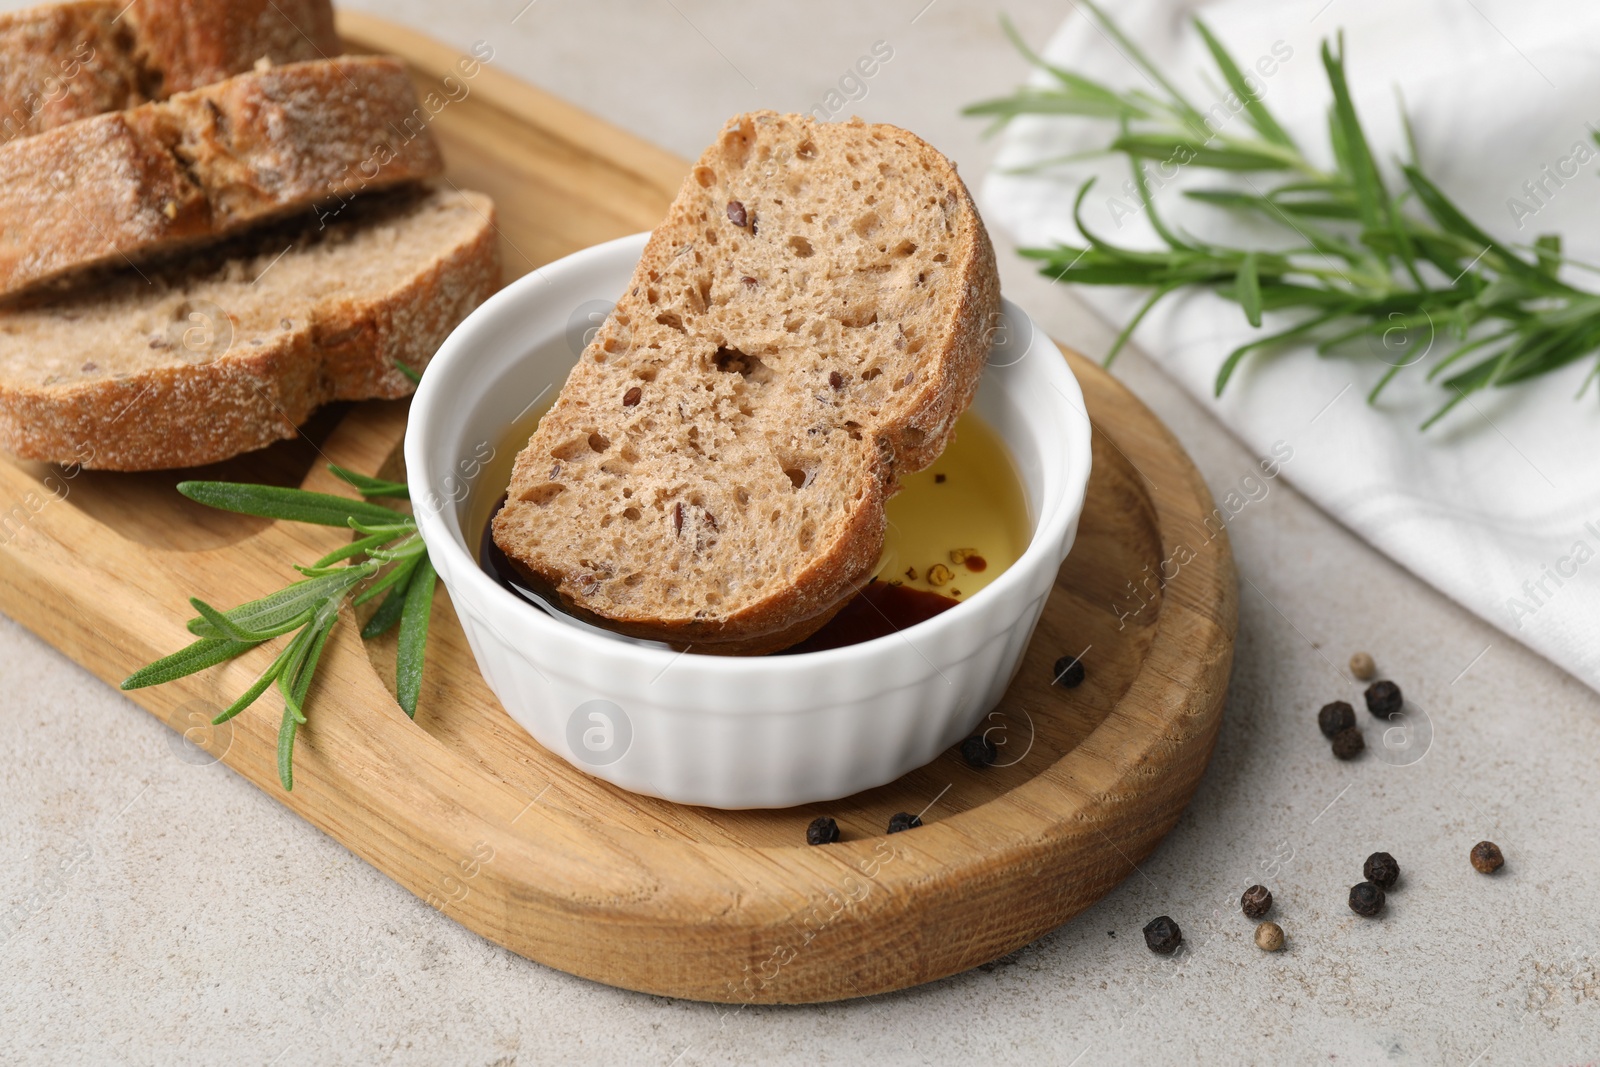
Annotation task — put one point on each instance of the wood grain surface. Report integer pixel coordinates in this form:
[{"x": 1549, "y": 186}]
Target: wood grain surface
[{"x": 466, "y": 811}]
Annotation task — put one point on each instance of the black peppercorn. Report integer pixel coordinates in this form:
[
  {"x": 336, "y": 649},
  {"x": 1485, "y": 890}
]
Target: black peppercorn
[
  {"x": 1487, "y": 858},
  {"x": 1366, "y": 899},
  {"x": 979, "y": 751},
  {"x": 1349, "y": 744},
  {"x": 822, "y": 831},
  {"x": 1381, "y": 870},
  {"x": 1162, "y": 935},
  {"x": 1256, "y": 902},
  {"x": 1335, "y": 718},
  {"x": 1068, "y": 672},
  {"x": 1384, "y": 699},
  {"x": 902, "y": 821}
]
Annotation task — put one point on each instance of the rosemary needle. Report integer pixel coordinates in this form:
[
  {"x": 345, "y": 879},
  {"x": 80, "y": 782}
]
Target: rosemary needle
[
  {"x": 1386, "y": 266},
  {"x": 390, "y": 556}
]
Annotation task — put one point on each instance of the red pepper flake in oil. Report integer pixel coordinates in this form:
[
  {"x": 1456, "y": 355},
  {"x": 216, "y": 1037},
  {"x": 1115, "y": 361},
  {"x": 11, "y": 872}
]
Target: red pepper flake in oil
[{"x": 969, "y": 558}]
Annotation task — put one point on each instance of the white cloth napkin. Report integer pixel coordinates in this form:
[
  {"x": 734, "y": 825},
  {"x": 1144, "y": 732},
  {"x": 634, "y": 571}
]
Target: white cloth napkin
[{"x": 1499, "y": 505}]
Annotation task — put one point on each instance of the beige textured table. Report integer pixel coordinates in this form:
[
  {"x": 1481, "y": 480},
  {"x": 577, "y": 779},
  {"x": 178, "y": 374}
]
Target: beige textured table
[{"x": 155, "y": 910}]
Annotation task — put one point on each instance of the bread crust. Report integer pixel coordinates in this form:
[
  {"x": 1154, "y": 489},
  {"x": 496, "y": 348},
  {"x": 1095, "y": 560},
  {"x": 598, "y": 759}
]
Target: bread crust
[
  {"x": 185, "y": 44},
  {"x": 121, "y": 187},
  {"x": 946, "y": 380},
  {"x": 65, "y": 62},
  {"x": 183, "y": 415}
]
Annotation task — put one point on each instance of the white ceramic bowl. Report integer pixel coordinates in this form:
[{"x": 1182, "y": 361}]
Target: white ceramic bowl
[{"x": 729, "y": 732}]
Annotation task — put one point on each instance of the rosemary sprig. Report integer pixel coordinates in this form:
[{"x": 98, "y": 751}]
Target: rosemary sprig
[
  {"x": 1364, "y": 262},
  {"x": 390, "y": 559}
]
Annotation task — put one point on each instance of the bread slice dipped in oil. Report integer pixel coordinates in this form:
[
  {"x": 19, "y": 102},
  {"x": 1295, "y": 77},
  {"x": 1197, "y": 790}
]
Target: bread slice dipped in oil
[{"x": 803, "y": 329}]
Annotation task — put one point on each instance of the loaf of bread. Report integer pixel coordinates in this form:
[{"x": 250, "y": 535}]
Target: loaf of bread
[
  {"x": 66, "y": 62},
  {"x": 121, "y": 187},
  {"x": 803, "y": 328},
  {"x": 195, "y": 363}
]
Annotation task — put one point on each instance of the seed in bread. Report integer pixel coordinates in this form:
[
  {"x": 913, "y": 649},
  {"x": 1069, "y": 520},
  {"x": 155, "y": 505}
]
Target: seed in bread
[
  {"x": 121, "y": 187},
  {"x": 803, "y": 328},
  {"x": 65, "y": 62},
  {"x": 234, "y": 351}
]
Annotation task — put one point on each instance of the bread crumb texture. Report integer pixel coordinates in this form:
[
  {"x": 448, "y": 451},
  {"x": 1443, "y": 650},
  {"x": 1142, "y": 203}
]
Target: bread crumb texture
[
  {"x": 804, "y": 327},
  {"x": 197, "y": 362}
]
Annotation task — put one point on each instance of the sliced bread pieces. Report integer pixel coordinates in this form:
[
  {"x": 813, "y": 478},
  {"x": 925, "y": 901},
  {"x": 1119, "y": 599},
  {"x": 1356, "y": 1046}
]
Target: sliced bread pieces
[
  {"x": 121, "y": 187},
  {"x": 232, "y": 354},
  {"x": 65, "y": 62},
  {"x": 184, "y": 44},
  {"x": 803, "y": 328}
]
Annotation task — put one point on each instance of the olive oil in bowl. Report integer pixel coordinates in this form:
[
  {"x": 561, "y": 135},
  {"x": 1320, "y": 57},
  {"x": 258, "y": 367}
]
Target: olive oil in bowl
[{"x": 956, "y": 526}]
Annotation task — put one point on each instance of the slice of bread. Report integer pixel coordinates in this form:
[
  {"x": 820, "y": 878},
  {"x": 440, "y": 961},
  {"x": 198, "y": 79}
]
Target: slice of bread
[
  {"x": 121, "y": 187},
  {"x": 803, "y": 328},
  {"x": 184, "y": 44},
  {"x": 66, "y": 62},
  {"x": 226, "y": 356}
]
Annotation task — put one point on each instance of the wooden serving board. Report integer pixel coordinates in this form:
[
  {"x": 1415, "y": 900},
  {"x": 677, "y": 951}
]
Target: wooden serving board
[{"x": 465, "y": 810}]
